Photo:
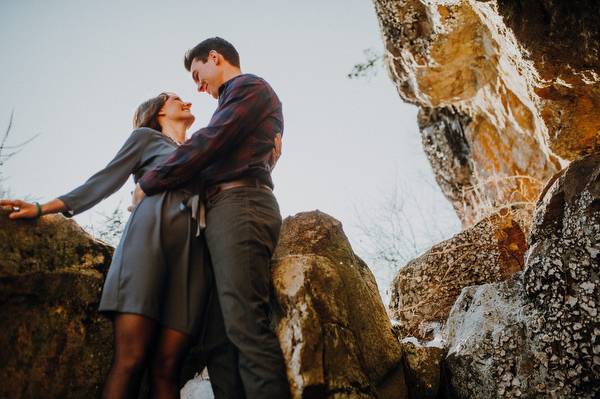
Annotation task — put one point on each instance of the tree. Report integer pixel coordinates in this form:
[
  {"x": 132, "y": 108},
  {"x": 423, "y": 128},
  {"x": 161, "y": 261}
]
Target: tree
[
  {"x": 395, "y": 228},
  {"x": 7, "y": 152},
  {"x": 111, "y": 229}
]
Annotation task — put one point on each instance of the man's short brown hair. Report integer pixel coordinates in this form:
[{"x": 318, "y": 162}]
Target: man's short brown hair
[{"x": 221, "y": 46}]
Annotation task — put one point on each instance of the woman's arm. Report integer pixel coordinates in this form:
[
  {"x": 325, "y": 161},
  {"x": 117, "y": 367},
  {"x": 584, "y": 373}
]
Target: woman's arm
[
  {"x": 26, "y": 210},
  {"x": 107, "y": 181},
  {"x": 95, "y": 189}
]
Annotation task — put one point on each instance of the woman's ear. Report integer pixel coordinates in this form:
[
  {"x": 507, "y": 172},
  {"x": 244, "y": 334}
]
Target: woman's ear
[{"x": 161, "y": 112}]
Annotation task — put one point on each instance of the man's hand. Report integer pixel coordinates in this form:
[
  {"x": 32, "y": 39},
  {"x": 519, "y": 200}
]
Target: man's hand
[
  {"x": 276, "y": 153},
  {"x": 138, "y": 194}
]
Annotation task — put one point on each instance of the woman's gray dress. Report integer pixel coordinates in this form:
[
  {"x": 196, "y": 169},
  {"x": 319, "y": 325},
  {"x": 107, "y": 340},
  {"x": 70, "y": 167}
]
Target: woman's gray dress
[{"x": 160, "y": 268}]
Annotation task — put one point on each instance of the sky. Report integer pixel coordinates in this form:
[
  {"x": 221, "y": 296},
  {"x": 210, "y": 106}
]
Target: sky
[{"x": 74, "y": 72}]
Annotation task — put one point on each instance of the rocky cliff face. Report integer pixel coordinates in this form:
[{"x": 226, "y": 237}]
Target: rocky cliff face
[
  {"x": 561, "y": 39},
  {"x": 504, "y": 87},
  {"x": 509, "y": 93}
]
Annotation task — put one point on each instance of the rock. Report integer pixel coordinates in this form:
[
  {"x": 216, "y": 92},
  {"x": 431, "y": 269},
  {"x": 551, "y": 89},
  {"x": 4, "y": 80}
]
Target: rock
[
  {"x": 538, "y": 334},
  {"x": 448, "y": 152},
  {"x": 423, "y": 370},
  {"x": 53, "y": 344},
  {"x": 561, "y": 40},
  {"x": 561, "y": 274},
  {"x": 334, "y": 331},
  {"x": 424, "y": 291},
  {"x": 459, "y": 55},
  {"x": 198, "y": 387},
  {"x": 493, "y": 348}
]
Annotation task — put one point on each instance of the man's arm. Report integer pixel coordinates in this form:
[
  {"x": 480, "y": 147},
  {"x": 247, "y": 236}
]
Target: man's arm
[
  {"x": 242, "y": 108},
  {"x": 138, "y": 193}
]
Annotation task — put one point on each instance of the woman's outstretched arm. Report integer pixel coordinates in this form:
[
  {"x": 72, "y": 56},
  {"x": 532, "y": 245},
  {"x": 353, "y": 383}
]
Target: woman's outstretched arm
[{"x": 28, "y": 210}]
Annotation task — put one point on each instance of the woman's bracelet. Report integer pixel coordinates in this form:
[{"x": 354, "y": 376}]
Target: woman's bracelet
[{"x": 39, "y": 208}]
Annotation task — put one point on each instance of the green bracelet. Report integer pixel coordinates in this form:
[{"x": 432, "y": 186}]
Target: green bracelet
[{"x": 39, "y": 208}]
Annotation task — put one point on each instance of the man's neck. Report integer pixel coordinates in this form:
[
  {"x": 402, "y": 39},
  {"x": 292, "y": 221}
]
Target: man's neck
[{"x": 230, "y": 72}]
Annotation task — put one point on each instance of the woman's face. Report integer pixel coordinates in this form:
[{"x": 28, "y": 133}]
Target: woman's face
[{"x": 176, "y": 110}]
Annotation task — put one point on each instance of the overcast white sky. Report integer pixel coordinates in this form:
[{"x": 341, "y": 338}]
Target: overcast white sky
[{"x": 75, "y": 71}]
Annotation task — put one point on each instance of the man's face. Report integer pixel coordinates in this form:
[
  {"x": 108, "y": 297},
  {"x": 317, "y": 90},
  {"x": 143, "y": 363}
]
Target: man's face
[{"x": 207, "y": 75}]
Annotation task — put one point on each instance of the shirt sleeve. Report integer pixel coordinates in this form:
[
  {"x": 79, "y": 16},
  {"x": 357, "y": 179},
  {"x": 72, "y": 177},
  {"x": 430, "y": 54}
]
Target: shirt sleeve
[
  {"x": 107, "y": 181},
  {"x": 242, "y": 107}
]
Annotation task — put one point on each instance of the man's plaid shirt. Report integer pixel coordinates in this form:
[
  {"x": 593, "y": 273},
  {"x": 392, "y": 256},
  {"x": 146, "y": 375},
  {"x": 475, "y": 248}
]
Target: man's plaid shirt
[{"x": 236, "y": 143}]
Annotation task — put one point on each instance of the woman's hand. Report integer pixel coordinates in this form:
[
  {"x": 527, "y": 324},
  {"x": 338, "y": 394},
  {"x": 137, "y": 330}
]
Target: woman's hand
[
  {"x": 25, "y": 210},
  {"x": 21, "y": 209}
]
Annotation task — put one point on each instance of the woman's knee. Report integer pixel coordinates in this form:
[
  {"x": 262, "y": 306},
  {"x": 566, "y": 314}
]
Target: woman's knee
[
  {"x": 130, "y": 361},
  {"x": 171, "y": 352}
]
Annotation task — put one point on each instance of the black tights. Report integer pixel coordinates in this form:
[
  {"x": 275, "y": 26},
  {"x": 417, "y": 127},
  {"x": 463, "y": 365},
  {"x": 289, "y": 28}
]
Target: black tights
[{"x": 141, "y": 343}]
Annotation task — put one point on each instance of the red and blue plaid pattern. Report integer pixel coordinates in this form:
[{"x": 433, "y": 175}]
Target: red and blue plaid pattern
[{"x": 236, "y": 143}]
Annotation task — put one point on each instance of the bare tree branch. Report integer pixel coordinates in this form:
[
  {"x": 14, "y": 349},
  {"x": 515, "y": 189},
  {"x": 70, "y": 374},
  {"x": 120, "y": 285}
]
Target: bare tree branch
[
  {"x": 368, "y": 69},
  {"x": 18, "y": 147}
]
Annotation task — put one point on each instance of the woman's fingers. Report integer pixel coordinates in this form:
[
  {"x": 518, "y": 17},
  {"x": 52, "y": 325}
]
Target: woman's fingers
[
  {"x": 14, "y": 205},
  {"x": 20, "y": 209}
]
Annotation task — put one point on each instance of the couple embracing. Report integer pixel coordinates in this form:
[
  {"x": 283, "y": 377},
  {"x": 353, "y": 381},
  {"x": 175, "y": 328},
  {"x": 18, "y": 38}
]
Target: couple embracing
[{"x": 193, "y": 261}]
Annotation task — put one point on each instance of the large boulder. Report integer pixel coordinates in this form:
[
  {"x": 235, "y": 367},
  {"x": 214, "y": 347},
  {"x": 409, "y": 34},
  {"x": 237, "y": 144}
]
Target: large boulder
[
  {"x": 53, "y": 344},
  {"x": 538, "y": 334},
  {"x": 333, "y": 327},
  {"x": 479, "y": 91},
  {"x": 424, "y": 291}
]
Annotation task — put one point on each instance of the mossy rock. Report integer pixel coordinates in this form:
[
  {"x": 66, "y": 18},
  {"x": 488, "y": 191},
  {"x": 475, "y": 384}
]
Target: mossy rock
[{"x": 53, "y": 343}]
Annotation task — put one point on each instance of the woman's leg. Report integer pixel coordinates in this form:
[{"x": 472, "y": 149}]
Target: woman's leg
[
  {"x": 167, "y": 360},
  {"x": 133, "y": 339}
]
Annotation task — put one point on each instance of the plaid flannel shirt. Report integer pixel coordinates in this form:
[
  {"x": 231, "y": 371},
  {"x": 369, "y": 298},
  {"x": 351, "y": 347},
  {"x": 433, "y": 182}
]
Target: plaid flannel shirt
[{"x": 237, "y": 142}]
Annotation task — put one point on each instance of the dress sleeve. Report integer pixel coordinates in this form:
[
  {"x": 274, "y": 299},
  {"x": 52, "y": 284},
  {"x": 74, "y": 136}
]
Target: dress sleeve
[{"x": 107, "y": 181}]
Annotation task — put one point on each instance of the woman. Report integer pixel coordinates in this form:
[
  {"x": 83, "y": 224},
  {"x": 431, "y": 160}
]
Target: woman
[{"x": 157, "y": 287}]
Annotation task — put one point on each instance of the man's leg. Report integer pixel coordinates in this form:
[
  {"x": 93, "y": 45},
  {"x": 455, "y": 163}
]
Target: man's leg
[
  {"x": 221, "y": 355},
  {"x": 243, "y": 226}
]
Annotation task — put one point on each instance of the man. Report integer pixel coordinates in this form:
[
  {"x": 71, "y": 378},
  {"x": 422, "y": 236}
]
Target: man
[{"x": 242, "y": 217}]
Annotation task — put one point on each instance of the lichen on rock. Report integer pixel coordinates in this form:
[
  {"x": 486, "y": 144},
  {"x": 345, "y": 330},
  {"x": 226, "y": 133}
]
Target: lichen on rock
[{"x": 538, "y": 333}]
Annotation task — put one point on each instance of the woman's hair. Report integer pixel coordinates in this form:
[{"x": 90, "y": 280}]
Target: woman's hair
[
  {"x": 202, "y": 50},
  {"x": 146, "y": 115}
]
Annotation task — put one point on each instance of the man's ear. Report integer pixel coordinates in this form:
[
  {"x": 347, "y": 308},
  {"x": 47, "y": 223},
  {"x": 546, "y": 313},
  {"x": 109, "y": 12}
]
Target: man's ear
[{"x": 213, "y": 55}]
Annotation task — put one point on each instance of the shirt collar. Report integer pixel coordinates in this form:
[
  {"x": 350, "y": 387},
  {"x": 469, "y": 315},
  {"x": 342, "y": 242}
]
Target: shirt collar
[{"x": 225, "y": 85}]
